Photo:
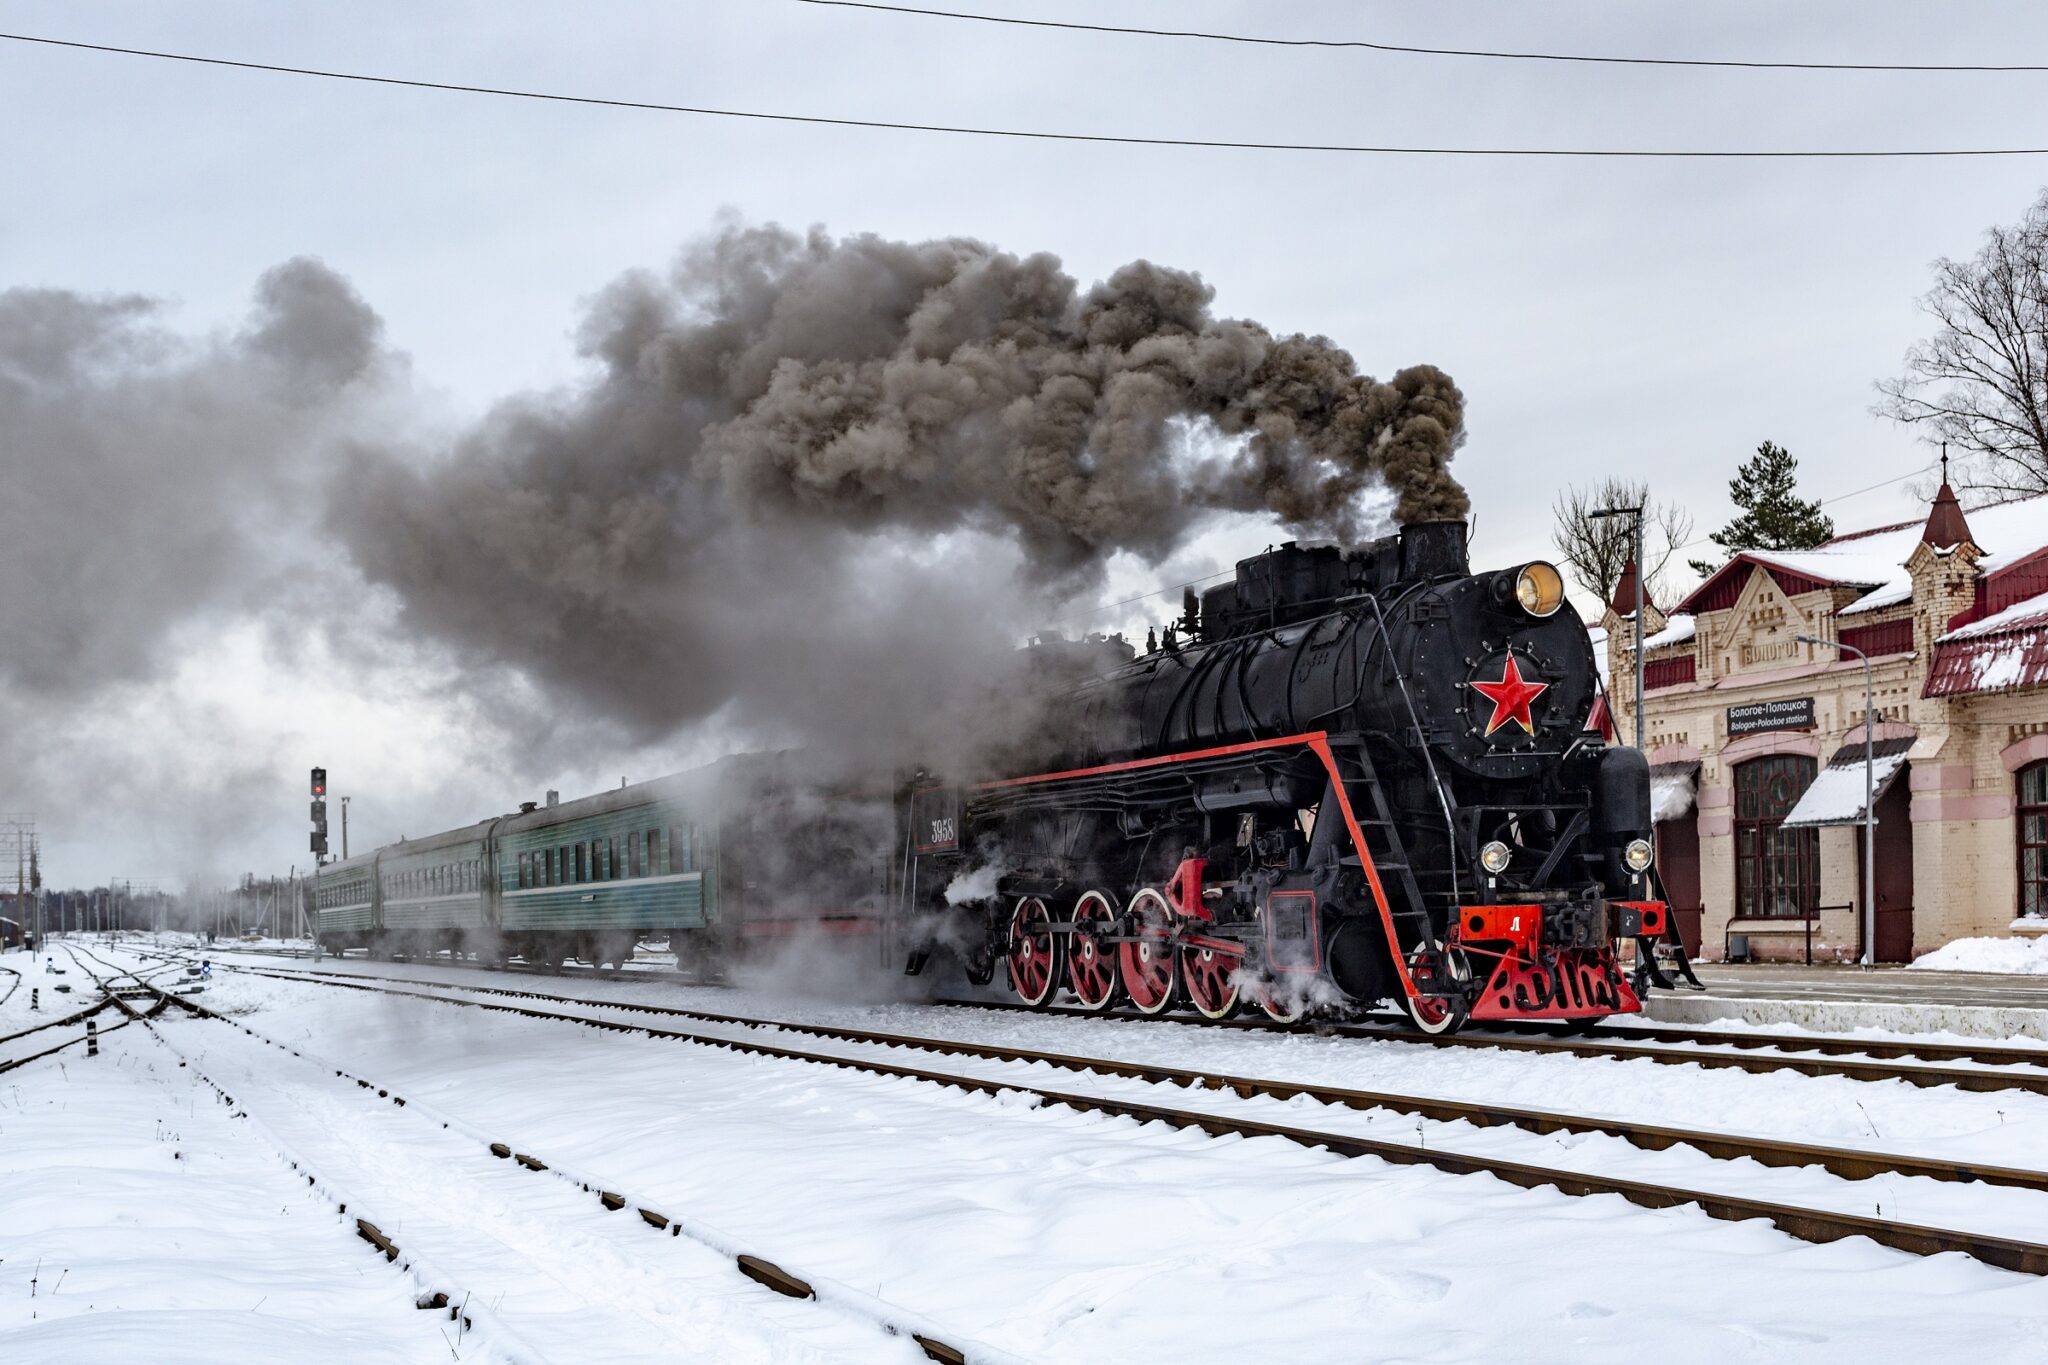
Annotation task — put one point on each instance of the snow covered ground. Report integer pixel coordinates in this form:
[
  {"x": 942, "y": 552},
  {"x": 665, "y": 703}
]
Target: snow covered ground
[
  {"x": 2026, "y": 956},
  {"x": 1031, "y": 1232}
]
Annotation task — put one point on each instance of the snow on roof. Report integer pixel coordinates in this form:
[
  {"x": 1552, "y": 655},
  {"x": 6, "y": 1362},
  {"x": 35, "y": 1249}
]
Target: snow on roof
[
  {"x": 2007, "y": 533},
  {"x": 2033, "y": 610},
  {"x": 1988, "y": 663},
  {"x": 1836, "y": 794},
  {"x": 2008, "y": 649},
  {"x": 1678, "y": 628},
  {"x": 1860, "y": 565},
  {"x": 1890, "y": 595},
  {"x": 1598, "y": 635}
]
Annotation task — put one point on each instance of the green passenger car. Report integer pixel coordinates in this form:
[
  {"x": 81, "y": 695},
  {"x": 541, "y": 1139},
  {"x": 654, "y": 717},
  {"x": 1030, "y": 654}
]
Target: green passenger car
[
  {"x": 589, "y": 878},
  {"x": 748, "y": 850}
]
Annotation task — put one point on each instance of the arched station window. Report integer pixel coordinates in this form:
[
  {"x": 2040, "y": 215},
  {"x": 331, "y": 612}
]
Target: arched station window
[
  {"x": 2031, "y": 824},
  {"x": 1777, "y": 871}
]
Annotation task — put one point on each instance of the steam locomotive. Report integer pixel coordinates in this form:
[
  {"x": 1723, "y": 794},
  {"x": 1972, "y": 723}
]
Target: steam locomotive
[{"x": 1342, "y": 777}]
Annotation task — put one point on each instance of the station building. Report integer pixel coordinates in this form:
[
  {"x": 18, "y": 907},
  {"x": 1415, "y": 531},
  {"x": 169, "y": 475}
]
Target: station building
[{"x": 1756, "y": 739}]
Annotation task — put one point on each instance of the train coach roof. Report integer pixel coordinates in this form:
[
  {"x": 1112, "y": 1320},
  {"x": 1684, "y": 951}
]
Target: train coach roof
[
  {"x": 692, "y": 785},
  {"x": 341, "y": 867},
  {"x": 468, "y": 834}
]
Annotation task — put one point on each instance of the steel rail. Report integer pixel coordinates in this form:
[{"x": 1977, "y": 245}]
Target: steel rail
[
  {"x": 1984, "y": 1054},
  {"x": 1848, "y": 1162},
  {"x": 1804, "y": 1223},
  {"x": 1830, "y": 1064},
  {"x": 7, "y": 1066},
  {"x": 468, "y": 1310},
  {"x": 76, "y": 1018},
  {"x": 891, "y": 1320}
]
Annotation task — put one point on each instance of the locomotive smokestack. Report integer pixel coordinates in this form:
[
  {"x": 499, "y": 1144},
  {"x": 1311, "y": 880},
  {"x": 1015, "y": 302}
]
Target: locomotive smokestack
[{"x": 1434, "y": 549}]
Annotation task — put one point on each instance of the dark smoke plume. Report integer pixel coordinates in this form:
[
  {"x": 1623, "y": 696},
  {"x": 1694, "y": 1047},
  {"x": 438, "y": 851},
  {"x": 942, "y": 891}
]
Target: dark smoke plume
[
  {"x": 815, "y": 492},
  {"x": 145, "y": 468},
  {"x": 818, "y": 482},
  {"x": 155, "y": 487}
]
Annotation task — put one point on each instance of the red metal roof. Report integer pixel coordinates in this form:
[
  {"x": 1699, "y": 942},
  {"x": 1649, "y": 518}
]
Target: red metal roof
[
  {"x": 1990, "y": 663},
  {"x": 1624, "y": 601},
  {"x": 1721, "y": 589},
  {"x": 1946, "y": 525}
]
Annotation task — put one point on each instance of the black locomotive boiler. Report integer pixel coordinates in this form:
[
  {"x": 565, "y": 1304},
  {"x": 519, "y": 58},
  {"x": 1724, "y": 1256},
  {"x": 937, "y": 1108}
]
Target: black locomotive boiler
[{"x": 1345, "y": 776}]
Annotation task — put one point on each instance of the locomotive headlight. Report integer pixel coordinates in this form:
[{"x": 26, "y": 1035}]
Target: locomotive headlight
[
  {"x": 1638, "y": 855},
  {"x": 1539, "y": 588},
  {"x": 1494, "y": 857}
]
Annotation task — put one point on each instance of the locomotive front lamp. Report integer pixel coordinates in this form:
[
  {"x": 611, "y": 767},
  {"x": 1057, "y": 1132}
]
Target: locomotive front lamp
[
  {"x": 1494, "y": 857},
  {"x": 1540, "y": 589},
  {"x": 1638, "y": 855}
]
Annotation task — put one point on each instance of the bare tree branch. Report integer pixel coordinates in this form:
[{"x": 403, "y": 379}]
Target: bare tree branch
[
  {"x": 1980, "y": 383},
  {"x": 1595, "y": 549}
]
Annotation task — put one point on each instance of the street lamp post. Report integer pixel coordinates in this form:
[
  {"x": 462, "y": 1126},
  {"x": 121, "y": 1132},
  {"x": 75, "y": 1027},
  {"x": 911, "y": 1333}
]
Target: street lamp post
[
  {"x": 1637, "y": 513},
  {"x": 1869, "y": 796}
]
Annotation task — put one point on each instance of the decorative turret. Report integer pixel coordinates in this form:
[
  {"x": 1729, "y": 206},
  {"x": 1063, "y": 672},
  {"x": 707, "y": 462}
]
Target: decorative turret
[
  {"x": 1943, "y": 566},
  {"x": 1624, "y": 599},
  {"x": 1946, "y": 525}
]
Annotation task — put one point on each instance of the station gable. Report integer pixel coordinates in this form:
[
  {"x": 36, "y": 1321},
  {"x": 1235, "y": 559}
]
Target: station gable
[{"x": 1757, "y": 633}]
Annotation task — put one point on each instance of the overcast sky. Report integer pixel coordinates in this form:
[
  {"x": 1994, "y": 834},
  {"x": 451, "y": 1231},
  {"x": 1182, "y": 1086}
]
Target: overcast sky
[{"x": 1652, "y": 318}]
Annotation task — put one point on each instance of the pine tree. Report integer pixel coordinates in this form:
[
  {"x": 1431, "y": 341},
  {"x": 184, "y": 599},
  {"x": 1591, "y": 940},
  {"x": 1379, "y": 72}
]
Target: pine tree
[{"x": 1773, "y": 516}]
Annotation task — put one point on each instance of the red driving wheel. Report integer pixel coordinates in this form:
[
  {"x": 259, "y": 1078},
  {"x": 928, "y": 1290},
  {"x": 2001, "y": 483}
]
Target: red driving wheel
[
  {"x": 1091, "y": 964},
  {"x": 1211, "y": 978},
  {"x": 1035, "y": 952},
  {"x": 1148, "y": 963},
  {"x": 1279, "y": 998}
]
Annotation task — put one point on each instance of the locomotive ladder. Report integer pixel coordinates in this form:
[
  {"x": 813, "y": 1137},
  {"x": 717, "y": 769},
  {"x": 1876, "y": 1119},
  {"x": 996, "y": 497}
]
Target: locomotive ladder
[{"x": 1368, "y": 796}]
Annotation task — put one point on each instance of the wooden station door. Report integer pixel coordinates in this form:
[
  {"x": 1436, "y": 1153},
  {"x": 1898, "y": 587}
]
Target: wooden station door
[
  {"x": 1894, "y": 888},
  {"x": 1678, "y": 867}
]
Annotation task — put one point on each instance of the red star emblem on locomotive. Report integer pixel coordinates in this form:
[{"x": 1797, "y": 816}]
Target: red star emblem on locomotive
[{"x": 1511, "y": 697}]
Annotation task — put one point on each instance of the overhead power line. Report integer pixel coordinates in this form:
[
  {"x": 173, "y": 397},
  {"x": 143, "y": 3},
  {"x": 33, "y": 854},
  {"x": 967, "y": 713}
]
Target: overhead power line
[
  {"x": 1038, "y": 135},
  {"x": 1413, "y": 50}
]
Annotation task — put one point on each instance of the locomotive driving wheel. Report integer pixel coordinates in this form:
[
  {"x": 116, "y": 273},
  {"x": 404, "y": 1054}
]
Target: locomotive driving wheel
[
  {"x": 1438, "y": 1014},
  {"x": 1211, "y": 979},
  {"x": 1147, "y": 961},
  {"x": 1280, "y": 1001},
  {"x": 1091, "y": 964},
  {"x": 1036, "y": 954}
]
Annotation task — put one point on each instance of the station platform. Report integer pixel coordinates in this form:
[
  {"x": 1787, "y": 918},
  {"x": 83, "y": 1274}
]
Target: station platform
[{"x": 1844, "y": 998}]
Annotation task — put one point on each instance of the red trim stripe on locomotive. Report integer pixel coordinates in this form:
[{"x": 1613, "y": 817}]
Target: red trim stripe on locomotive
[{"x": 1318, "y": 743}]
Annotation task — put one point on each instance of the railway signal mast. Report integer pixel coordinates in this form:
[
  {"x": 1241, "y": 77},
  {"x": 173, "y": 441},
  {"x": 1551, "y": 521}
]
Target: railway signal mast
[{"x": 319, "y": 816}]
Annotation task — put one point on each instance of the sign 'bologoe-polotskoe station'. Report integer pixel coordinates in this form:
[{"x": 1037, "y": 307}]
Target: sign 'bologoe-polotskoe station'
[{"x": 1756, "y": 740}]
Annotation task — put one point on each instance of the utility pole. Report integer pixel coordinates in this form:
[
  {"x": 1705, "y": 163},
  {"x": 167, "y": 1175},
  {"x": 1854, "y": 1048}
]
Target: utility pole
[
  {"x": 19, "y": 830},
  {"x": 344, "y": 826}
]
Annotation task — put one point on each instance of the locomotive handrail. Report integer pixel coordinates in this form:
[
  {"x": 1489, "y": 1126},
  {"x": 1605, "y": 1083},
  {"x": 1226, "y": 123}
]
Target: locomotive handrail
[{"x": 1428, "y": 761}]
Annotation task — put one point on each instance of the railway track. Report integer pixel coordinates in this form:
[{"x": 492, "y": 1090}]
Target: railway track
[
  {"x": 1850, "y": 1163},
  {"x": 894, "y": 1321},
  {"x": 2005, "y": 1068},
  {"x": 2002, "y": 1068},
  {"x": 1806, "y": 1223},
  {"x": 68, "y": 1021},
  {"x": 1610, "y": 1035}
]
